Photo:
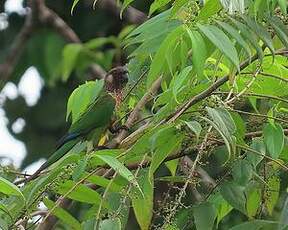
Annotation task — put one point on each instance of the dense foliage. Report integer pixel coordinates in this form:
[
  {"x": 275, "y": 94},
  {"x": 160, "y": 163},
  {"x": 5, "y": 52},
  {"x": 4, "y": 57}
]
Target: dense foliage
[{"x": 206, "y": 108}]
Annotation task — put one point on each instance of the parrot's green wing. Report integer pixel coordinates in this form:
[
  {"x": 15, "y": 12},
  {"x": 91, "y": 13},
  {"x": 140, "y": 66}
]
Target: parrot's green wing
[
  {"x": 93, "y": 121},
  {"x": 97, "y": 115}
]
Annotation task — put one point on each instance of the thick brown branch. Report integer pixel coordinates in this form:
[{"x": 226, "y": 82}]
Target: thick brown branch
[
  {"x": 135, "y": 113},
  {"x": 131, "y": 14},
  {"x": 16, "y": 49}
]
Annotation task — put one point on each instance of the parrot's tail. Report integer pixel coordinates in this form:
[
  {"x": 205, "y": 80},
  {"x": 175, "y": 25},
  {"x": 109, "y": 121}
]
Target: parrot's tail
[{"x": 66, "y": 138}]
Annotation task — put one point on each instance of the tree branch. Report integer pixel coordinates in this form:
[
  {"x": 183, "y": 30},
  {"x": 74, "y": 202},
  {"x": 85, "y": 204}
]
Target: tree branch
[
  {"x": 135, "y": 113},
  {"x": 16, "y": 49},
  {"x": 131, "y": 14}
]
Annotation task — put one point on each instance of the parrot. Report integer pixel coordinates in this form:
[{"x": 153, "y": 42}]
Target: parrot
[{"x": 93, "y": 121}]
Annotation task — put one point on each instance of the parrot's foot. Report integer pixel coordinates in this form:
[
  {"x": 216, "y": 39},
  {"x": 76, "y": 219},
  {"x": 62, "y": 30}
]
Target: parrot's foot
[{"x": 119, "y": 128}]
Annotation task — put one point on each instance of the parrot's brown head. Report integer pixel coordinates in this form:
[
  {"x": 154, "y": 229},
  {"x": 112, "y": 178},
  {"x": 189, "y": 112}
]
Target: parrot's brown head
[{"x": 115, "y": 81}]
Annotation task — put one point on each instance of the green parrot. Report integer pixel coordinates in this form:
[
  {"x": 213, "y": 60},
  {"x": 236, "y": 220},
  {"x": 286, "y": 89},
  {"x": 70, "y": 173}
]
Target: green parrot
[{"x": 93, "y": 121}]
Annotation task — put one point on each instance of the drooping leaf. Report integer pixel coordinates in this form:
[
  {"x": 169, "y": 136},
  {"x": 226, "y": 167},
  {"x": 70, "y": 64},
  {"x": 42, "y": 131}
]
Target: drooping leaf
[
  {"x": 261, "y": 32},
  {"x": 9, "y": 188},
  {"x": 221, "y": 41},
  {"x": 250, "y": 36},
  {"x": 283, "y": 221},
  {"x": 80, "y": 169},
  {"x": 143, "y": 204},
  {"x": 234, "y": 195},
  {"x": 195, "y": 127},
  {"x": 199, "y": 53},
  {"x": 242, "y": 172},
  {"x": 161, "y": 148},
  {"x": 259, "y": 146},
  {"x": 253, "y": 202},
  {"x": 274, "y": 139},
  {"x": 63, "y": 215},
  {"x": 119, "y": 168},
  {"x": 236, "y": 35},
  {"x": 103, "y": 182},
  {"x": 221, "y": 205},
  {"x": 80, "y": 193},
  {"x": 280, "y": 29},
  {"x": 180, "y": 81},
  {"x": 224, "y": 124},
  {"x": 158, "y": 62},
  {"x": 204, "y": 216}
]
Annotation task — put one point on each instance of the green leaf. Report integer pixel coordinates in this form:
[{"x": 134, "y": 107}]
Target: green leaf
[
  {"x": 284, "y": 215},
  {"x": 221, "y": 205},
  {"x": 250, "y": 36},
  {"x": 70, "y": 54},
  {"x": 242, "y": 172},
  {"x": 156, "y": 5},
  {"x": 280, "y": 29},
  {"x": 195, "y": 127},
  {"x": 161, "y": 148},
  {"x": 204, "y": 216},
  {"x": 273, "y": 139},
  {"x": 221, "y": 41},
  {"x": 283, "y": 6},
  {"x": 110, "y": 224},
  {"x": 224, "y": 124},
  {"x": 259, "y": 146},
  {"x": 74, "y": 5},
  {"x": 125, "y": 4},
  {"x": 261, "y": 32},
  {"x": 103, "y": 182},
  {"x": 4, "y": 209},
  {"x": 158, "y": 62},
  {"x": 9, "y": 188},
  {"x": 80, "y": 169},
  {"x": 177, "y": 5},
  {"x": 80, "y": 193},
  {"x": 199, "y": 53},
  {"x": 210, "y": 8},
  {"x": 62, "y": 214},
  {"x": 82, "y": 97},
  {"x": 172, "y": 166},
  {"x": 236, "y": 35},
  {"x": 143, "y": 204},
  {"x": 234, "y": 195},
  {"x": 253, "y": 202},
  {"x": 180, "y": 81},
  {"x": 256, "y": 224},
  {"x": 119, "y": 168}
]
